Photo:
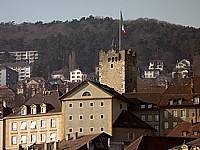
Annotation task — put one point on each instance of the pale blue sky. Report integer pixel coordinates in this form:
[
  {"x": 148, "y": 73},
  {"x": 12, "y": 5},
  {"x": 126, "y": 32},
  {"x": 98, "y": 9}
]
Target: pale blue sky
[{"x": 183, "y": 12}]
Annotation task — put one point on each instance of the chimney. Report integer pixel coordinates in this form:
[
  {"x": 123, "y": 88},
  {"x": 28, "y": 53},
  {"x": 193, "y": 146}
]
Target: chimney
[
  {"x": 192, "y": 122},
  {"x": 67, "y": 137},
  {"x": 4, "y": 104},
  {"x": 75, "y": 135},
  {"x": 67, "y": 88},
  {"x": 166, "y": 84},
  {"x": 192, "y": 85}
]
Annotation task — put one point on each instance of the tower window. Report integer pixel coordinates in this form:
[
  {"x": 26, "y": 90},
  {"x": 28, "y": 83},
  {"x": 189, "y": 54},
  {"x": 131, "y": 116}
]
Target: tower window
[
  {"x": 108, "y": 59},
  {"x": 111, "y": 66}
]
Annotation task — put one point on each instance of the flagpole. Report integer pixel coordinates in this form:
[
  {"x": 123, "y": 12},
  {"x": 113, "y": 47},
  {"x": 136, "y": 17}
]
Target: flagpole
[{"x": 120, "y": 34}]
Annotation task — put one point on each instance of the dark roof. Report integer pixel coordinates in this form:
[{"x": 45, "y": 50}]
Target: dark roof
[
  {"x": 128, "y": 120},
  {"x": 80, "y": 141},
  {"x": 6, "y": 92},
  {"x": 16, "y": 64},
  {"x": 105, "y": 88},
  {"x": 156, "y": 142},
  {"x": 187, "y": 127}
]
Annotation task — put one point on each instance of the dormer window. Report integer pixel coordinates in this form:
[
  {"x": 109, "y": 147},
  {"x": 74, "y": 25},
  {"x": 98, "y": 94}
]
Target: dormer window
[
  {"x": 33, "y": 109},
  {"x": 196, "y": 100},
  {"x": 149, "y": 105},
  {"x": 171, "y": 101},
  {"x": 23, "y": 110},
  {"x": 86, "y": 94},
  {"x": 43, "y": 108},
  {"x": 195, "y": 132},
  {"x": 179, "y": 101},
  {"x": 184, "y": 133},
  {"x": 142, "y": 106}
]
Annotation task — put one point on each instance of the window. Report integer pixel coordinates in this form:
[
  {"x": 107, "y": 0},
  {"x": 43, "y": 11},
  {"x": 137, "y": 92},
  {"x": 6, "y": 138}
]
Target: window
[
  {"x": 149, "y": 117},
  {"x": 183, "y": 113},
  {"x": 23, "y": 139},
  {"x": 174, "y": 124},
  {"x": 142, "y": 106},
  {"x": 91, "y": 104},
  {"x": 70, "y": 105},
  {"x": 43, "y": 108},
  {"x": 196, "y": 100},
  {"x": 23, "y": 125},
  {"x": 91, "y": 117},
  {"x": 81, "y": 117},
  {"x": 184, "y": 133},
  {"x": 156, "y": 127},
  {"x": 86, "y": 94},
  {"x": 149, "y": 105},
  {"x": 33, "y": 109},
  {"x": 130, "y": 136},
  {"x": 70, "y": 117},
  {"x": 80, "y": 105},
  {"x": 43, "y": 123},
  {"x": 195, "y": 132},
  {"x": 91, "y": 129},
  {"x": 179, "y": 101},
  {"x": 174, "y": 113},
  {"x": 80, "y": 130},
  {"x": 101, "y": 129},
  {"x": 156, "y": 117},
  {"x": 120, "y": 106},
  {"x": 33, "y": 138},
  {"x": 166, "y": 125},
  {"x": 166, "y": 114},
  {"x": 53, "y": 123},
  {"x": 102, "y": 116},
  {"x": 171, "y": 102},
  {"x": 102, "y": 104},
  {"x": 33, "y": 124},
  {"x": 43, "y": 137},
  {"x": 14, "y": 140},
  {"x": 52, "y": 137},
  {"x": 143, "y": 118},
  {"x": 14, "y": 126},
  {"x": 23, "y": 110},
  {"x": 70, "y": 130},
  {"x": 111, "y": 65}
]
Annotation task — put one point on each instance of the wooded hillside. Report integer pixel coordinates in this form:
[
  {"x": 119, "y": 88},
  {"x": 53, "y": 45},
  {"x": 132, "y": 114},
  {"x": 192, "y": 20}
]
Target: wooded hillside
[{"x": 151, "y": 39}]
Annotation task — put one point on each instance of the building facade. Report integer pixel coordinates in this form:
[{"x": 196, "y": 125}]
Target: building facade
[
  {"x": 8, "y": 76},
  {"x": 24, "y": 56},
  {"x": 117, "y": 69}
]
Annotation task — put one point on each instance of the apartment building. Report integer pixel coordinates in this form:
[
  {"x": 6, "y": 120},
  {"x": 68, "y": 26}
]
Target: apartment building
[
  {"x": 38, "y": 121},
  {"x": 76, "y": 76},
  {"x": 23, "y": 69},
  {"x": 24, "y": 56},
  {"x": 8, "y": 76}
]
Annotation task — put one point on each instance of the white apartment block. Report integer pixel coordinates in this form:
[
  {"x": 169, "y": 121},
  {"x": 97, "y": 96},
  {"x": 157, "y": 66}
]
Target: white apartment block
[
  {"x": 156, "y": 64},
  {"x": 23, "y": 69},
  {"x": 24, "y": 56},
  {"x": 151, "y": 73},
  {"x": 77, "y": 76}
]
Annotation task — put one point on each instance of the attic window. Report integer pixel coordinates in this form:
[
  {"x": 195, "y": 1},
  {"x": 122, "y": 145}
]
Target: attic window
[
  {"x": 43, "y": 108},
  {"x": 196, "y": 100},
  {"x": 195, "y": 132},
  {"x": 171, "y": 101},
  {"x": 33, "y": 109},
  {"x": 142, "y": 106},
  {"x": 86, "y": 94},
  {"x": 179, "y": 101},
  {"x": 184, "y": 133},
  {"x": 149, "y": 105},
  {"x": 23, "y": 110}
]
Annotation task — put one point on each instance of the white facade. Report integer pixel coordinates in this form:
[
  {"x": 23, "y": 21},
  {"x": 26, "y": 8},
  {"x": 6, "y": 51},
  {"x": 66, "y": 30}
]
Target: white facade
[
  {"x": 156, "y": 64},
  {"x": 183, "y": 64},
  {"x": 27, "y": 56},
  {"x": 149, "y": 74},
  {"x": 77, "y": 76}
]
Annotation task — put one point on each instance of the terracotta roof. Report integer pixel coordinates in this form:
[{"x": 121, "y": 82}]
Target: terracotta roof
[
  {"x": 156, "y": 142},
  {"x": 79, "y": 142},
  {"x": 5, "y": 91},
  {"x": 187, "y": 127},
  {"x": 128, "y": 120}
]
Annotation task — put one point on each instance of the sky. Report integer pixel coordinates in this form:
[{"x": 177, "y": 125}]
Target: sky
[{"x": 181, "y": 12}]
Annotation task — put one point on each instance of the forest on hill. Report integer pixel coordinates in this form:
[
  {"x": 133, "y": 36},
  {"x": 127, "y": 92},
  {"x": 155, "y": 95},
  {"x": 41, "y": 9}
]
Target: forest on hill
[{"x": 55, "y": 41}]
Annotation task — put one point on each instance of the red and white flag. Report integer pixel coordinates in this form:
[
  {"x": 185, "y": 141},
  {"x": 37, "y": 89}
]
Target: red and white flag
[{"x": 122, "y": 25}]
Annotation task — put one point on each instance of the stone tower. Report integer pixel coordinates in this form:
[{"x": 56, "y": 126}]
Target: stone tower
[{"x": 117, "y": 69}]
